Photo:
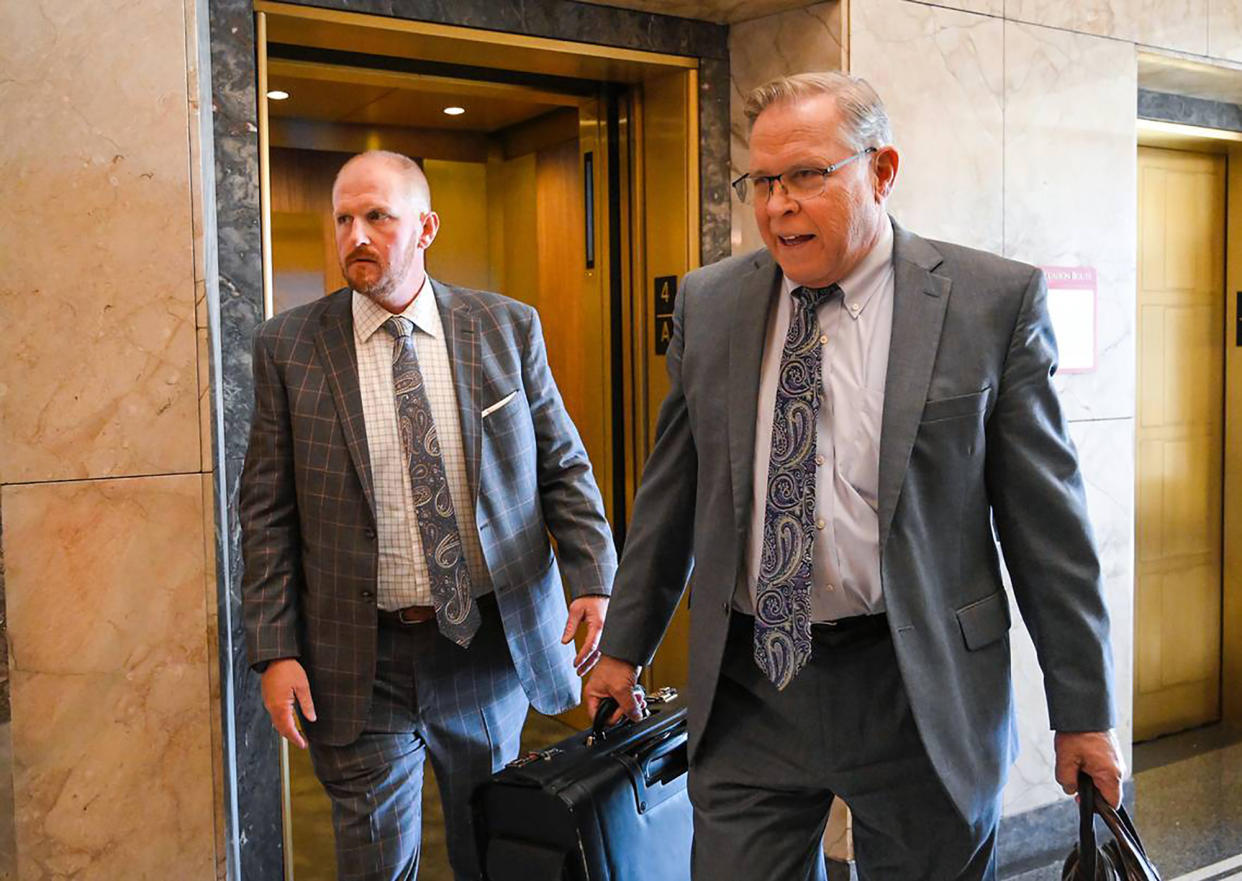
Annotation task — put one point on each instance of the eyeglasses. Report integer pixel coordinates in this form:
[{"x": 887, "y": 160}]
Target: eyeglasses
[{"x": 798, "y": 183}]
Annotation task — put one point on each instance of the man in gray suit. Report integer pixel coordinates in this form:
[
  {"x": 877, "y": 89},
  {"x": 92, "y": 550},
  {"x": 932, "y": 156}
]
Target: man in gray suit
[
  {"x": 852, "y": 412},
  {"x": 409, "y": 455}
]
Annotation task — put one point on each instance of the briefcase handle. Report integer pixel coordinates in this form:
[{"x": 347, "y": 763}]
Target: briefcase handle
[
  {"x": 600, "y": 729},
  {"x": 1086, "y": 826},
  {"x": 1129, "y": 845}
]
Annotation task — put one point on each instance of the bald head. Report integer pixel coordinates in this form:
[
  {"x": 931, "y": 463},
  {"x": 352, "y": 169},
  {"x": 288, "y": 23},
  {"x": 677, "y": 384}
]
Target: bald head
[{"x": 407, "y": 170}]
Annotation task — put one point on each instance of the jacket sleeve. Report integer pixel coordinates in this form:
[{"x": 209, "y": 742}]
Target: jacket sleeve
[
  {"x": 659, "y": 546},
  {"x": 573, "y": 509},
  {"x": 271, "y": 543},
  {"x": 1040, "y": 509}
]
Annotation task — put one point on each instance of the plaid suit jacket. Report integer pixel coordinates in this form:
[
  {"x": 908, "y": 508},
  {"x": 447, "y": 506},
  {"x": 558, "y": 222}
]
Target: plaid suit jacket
[{"x": 308, "y": 513}]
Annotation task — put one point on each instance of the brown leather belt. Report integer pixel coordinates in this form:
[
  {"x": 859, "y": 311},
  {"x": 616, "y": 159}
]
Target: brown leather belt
[{"x": 407, "y": 616}]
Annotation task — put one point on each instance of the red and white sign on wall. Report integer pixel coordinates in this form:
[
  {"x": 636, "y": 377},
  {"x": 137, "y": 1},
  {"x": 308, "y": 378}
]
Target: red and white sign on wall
[{"x": 1072, "y": 307}]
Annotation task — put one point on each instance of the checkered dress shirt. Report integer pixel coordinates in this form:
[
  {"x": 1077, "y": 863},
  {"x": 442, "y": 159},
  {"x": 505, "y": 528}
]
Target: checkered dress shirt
[{"x": 402, "y": 577}]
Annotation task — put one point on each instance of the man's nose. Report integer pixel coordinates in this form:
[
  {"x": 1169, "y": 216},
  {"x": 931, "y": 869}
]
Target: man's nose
[
  {"x": 357, "y": 234},
  {"x": 779, "y": 201}
]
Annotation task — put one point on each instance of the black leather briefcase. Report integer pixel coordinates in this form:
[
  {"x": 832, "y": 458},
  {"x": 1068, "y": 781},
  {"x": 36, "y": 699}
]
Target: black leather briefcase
[{"x": 598, "y": 806}]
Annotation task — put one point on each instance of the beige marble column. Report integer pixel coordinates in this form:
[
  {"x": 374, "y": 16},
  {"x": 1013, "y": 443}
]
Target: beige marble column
[{"x": 105, "y": 441}]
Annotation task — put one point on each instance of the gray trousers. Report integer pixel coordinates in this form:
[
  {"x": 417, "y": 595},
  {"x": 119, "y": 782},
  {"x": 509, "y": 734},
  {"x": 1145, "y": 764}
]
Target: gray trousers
[
  {"x": 771, "y": 762},
  {"x": 462, "y": 708}
]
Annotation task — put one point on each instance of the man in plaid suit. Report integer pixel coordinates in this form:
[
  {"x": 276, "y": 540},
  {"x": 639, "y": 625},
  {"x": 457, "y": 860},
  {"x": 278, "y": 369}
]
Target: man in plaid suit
[{"x": 408, "y": 457}]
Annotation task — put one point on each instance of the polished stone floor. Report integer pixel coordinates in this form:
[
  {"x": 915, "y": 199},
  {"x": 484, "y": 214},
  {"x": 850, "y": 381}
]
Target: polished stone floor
[{"x": 1188, "y": 809}]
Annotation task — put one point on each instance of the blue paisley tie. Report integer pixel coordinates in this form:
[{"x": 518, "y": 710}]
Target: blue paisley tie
[
  {"x": 456, "y": 612},
  {"x": 783, "y": 592}
]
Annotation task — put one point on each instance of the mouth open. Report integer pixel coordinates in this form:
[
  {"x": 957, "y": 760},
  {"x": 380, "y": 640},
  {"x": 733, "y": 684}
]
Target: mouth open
[{"x": 795, "y": 241}]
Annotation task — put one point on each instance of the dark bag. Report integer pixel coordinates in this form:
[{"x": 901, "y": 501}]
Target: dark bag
[
  {"x": 602, "y": 805},
  {"x": 1122, "y": 859}
]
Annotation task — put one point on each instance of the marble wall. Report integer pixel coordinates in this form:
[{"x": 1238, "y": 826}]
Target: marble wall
[
  {"x": 107, "y": 570},
  {"x": 111, "y": 710},
  {"x": 946, "y": 111},
  {"x": 1225, "y": 29},
  {"x": 1170, "y": 24}
]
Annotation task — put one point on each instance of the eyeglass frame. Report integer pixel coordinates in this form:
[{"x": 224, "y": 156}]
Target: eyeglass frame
[{"x": 825, "y": 173}]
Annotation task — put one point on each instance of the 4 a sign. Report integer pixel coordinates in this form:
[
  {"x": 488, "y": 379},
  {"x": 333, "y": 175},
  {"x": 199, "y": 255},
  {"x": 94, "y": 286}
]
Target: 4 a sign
[{"x": 665, "y": 289}]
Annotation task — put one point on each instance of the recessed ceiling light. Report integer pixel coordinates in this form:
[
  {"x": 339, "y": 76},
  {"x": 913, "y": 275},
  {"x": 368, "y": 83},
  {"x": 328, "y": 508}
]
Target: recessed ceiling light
[
  {"x": 454, "y": 111},
  {"x": 278, "y": 94}
]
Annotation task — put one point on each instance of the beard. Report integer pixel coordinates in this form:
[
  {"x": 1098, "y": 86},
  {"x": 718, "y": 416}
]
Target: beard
[{"x": 391, "y": 276}]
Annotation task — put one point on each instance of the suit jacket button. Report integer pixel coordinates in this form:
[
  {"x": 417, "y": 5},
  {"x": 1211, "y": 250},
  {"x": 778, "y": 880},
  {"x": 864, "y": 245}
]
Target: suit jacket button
[
  {"x": 724, "y": 607},
  {"x": 369, "y": 532},
  {"x": 366, "y": 594}
]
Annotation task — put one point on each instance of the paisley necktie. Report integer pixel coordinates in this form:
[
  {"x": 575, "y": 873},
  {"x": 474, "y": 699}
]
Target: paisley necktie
[
  {"x": 783, "y": 592},
  {"x": 456, "y": 612}
]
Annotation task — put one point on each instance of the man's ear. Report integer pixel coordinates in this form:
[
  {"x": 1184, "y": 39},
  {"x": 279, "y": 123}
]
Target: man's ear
[
  {"x": 431, "y": 226},
  {"x": 887, "y": 160}
]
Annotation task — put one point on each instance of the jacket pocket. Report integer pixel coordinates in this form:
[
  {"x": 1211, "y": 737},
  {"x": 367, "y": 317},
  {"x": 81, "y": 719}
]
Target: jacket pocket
[
  {"x": 956, "y": 406},
  {"x": 984, "y": 621},
  {"x": 488, "y": 411}
]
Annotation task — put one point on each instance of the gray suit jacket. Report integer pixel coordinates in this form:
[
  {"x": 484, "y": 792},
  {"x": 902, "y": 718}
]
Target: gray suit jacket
[
  {"x": 972, "y": 435},
  {"x": 308, "y": 512}
]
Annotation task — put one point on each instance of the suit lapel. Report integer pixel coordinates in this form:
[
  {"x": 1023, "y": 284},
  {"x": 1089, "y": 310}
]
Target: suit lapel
[
  {"x": 751, "y": 306},
  {"x": 335, "y": 345},
  {"x": 461, "y": 337},
  {"x": 919, "y": 302}
]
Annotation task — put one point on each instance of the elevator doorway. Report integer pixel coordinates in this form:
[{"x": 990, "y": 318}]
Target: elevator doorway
[
  {"x": 514, "y": 185},
  {"x": 569, "y": 181}
]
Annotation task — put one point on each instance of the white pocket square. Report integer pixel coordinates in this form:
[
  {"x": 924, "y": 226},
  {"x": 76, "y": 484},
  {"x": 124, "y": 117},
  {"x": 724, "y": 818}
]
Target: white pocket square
[{"x": 496, "y": 406}]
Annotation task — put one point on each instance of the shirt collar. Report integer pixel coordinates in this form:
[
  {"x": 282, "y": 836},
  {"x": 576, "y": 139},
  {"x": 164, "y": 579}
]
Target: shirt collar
[
  {"x": 369, "y": 316},
  {"x": 859, "y": 287}
]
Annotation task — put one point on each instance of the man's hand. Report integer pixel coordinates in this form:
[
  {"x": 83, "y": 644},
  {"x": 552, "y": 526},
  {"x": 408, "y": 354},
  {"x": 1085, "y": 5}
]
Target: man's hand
[
  {"x": 283, "y": 682},
  {"x": 590, "y": 611},
  {"x": 1097, "y": 754},
  {"x": 618, "y": 680}
]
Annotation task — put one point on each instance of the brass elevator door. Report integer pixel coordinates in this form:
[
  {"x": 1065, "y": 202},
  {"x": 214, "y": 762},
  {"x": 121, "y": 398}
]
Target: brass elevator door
[{"x": 1180, "y": 436}]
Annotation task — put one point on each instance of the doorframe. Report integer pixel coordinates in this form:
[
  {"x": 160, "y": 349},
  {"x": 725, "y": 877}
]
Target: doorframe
[
  {"x": 1197, "y": 139},
  {"x": 249, "y": 814}
]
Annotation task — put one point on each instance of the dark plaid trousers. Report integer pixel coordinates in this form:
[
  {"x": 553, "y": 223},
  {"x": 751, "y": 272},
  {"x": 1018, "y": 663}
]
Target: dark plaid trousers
[{"x": 462, "y": 708}]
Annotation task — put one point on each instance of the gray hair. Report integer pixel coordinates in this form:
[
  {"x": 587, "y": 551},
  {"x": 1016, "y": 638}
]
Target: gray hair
[{"x": 864, "y": 121}]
